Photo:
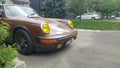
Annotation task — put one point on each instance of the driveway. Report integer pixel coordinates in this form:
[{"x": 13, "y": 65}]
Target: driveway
[{"x": 92, "y": 49}]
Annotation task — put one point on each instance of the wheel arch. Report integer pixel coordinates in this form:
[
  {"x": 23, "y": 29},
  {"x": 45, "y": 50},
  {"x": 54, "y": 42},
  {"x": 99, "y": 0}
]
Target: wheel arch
[
  {"x": 17, "y": 28},
  {"x": 29, "y": 42},
  {"x": 93, "y": 18}
]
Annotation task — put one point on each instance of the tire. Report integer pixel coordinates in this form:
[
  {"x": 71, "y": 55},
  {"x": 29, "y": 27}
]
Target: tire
[
  {"x": 93, "y": 18},
  {"x": 23, "y": 42},
  {"x": 79, "y": 18}
]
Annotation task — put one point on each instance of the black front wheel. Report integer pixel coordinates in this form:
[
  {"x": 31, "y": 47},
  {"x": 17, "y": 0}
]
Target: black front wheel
[
  {"x": 93, "y": 18},
  {"x": 23, "y": 41}
]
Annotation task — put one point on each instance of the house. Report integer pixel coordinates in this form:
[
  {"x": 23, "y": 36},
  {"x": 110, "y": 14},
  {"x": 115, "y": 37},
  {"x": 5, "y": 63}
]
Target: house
[
  {"x": 36, "y": 5},
  {"x": 20, "y": 2}
]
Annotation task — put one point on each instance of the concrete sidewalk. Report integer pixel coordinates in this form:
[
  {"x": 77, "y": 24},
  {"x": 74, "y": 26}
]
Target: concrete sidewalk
[{"x": 99, "y": 49}]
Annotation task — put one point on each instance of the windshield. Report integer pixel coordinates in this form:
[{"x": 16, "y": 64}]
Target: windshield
[{"x": 14, "y": 11}]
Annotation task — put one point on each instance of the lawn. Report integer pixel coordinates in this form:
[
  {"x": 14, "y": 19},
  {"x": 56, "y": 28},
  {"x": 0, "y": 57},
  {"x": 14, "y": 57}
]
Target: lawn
[{"x": 96, "y": 25}]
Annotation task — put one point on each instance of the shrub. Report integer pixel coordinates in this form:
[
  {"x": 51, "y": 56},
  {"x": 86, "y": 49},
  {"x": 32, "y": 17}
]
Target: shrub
[
  {"x": 3, "y": 31},
  {"x": 7, "y": 54},
  {"x": 96, "y": 24}
]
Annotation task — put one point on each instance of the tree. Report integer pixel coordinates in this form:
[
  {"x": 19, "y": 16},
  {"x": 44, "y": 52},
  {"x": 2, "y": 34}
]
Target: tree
[
  {"x": 54, "y": 8},
  {"x": 75, "y": 6},
  {"x": 106, "y": 7},
  {"x": 87, "y": 5},
  {"x": 78, "y": 7}
]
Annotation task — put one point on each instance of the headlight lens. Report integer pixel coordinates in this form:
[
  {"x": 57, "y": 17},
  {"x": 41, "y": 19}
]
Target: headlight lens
[
  {"x": 71, "y": 24},
  {"x": 45, "y": 28}
]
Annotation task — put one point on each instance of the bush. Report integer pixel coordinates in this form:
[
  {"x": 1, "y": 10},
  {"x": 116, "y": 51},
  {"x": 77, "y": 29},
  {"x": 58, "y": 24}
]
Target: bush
[
  {"x": 7, "y": 54},
  {"x": 96, "y": 25},
  {"x": 3, "y": 31}
]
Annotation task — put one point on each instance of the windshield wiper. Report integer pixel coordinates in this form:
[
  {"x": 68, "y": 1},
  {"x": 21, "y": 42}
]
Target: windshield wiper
[{"x": 33, "y": 15}]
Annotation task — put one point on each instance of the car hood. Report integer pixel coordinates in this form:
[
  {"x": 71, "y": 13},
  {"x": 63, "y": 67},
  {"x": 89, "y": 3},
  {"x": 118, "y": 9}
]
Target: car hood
[{"x": 57, "y": 26}]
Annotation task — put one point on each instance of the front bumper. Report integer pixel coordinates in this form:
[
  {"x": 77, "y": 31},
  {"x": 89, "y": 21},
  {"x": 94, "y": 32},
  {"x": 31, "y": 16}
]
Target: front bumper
[{"x": 62, "y": 41}]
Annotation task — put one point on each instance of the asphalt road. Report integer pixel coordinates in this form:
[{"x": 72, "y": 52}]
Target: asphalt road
[{"x": 92, "y": 49}]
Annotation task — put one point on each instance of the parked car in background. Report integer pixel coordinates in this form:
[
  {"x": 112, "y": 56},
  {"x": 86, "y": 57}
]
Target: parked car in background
[
  {"x": 113, "y": 16},
  {"x": 34, "y": 33},
  {"x": 90, "y": 16}
]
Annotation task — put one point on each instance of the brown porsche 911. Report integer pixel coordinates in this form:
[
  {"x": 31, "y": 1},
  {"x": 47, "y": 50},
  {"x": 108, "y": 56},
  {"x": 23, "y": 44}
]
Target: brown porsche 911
[{"x": 34, "y": 33}]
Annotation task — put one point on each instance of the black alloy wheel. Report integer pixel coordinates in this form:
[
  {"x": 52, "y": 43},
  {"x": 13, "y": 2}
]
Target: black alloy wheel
[{"x": 23, "y": 42}]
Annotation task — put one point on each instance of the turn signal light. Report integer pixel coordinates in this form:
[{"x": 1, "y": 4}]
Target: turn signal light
[{"x": 49, "y": 41}]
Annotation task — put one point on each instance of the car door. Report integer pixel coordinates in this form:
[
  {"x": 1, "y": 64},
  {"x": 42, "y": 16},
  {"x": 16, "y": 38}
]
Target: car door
[
  {"x": 84, "y": 16},
  {"x": 90, "y": 15}
]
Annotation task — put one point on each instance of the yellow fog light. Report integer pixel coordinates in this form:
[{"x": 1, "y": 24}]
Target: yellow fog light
[
  {"x": 45, "y": 28},
  {"x": 59, "y": 46},
  {"x": 71, "y": 24}
]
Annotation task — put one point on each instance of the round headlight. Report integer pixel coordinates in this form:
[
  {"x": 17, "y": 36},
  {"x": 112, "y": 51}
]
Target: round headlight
[
  {"x": 45, "y": 28},
  {"x": 71, "y": 24}
]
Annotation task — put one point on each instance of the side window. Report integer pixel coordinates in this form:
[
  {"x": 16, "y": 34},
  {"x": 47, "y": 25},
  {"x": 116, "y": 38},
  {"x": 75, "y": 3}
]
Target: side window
[{"x": 90, "y": 13}]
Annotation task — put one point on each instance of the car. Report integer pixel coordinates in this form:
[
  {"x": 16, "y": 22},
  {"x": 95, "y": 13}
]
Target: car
[
  {"x": 113, "y": 16},
  {"x": 32, "y": 32},
  {"x": 90, "y": 16}
]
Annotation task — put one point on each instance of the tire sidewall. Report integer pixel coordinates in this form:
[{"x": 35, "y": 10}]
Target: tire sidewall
[
  {"x": 93, "y": 18},
  {"x": 28, "y": 39}
]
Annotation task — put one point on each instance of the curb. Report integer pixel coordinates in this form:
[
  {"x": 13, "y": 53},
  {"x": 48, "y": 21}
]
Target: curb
[
  {"x": 88, "y": 30},
  {"x": 97, "y": 30},
  {"x": 19, "y": 63}
]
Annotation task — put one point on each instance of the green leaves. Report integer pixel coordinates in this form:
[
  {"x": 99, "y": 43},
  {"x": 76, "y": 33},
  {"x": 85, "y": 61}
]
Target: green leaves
[
  {"x": 54, "y": 9},
  {"x": 4, "y": 27},
  {"x": 106, "y": 7},
  {"x": 7, "y": 54}
]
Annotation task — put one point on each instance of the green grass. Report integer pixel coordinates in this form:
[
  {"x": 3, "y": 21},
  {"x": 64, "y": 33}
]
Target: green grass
[{"x": 96, "y": 25}]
